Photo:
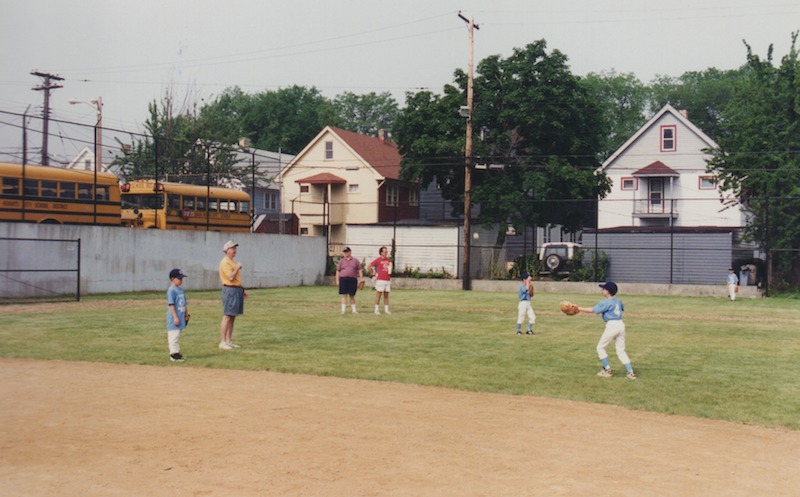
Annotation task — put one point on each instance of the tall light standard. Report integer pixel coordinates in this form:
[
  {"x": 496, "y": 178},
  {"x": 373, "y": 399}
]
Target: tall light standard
[
  {"x": 97, "y": 103},
  {"x": 98, "y": 140}
]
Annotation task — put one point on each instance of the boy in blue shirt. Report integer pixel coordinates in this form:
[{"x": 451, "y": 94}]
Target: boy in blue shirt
[
  {"x": 177, "y": 314},
  {"x": 611, "y": 310},
  {"x": 524, "y": 307}
]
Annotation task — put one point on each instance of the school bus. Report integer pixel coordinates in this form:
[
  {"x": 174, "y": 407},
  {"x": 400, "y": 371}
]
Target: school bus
[
  {"x": 56, "y": 195},
  {"x": 180, "y": 206}
]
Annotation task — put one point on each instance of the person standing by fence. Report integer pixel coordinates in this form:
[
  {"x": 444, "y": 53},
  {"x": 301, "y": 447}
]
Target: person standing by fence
[
  {"x": 733, "y": 284},
  {"x": 348, "y": 274},
  {"x": 381, "y": 270}
]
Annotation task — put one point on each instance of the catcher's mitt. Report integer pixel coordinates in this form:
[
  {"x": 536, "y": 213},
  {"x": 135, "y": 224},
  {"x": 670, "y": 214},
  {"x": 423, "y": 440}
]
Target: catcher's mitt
[
  {"x": 568, "y": 308},
  {"x": 530, "y": 290},
  {"x": 361, "y": 285}
]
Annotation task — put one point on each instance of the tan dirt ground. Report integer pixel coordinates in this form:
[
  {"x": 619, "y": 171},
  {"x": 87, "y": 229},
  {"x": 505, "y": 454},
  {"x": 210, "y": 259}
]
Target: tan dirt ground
[{"x": 85, "y": 429}]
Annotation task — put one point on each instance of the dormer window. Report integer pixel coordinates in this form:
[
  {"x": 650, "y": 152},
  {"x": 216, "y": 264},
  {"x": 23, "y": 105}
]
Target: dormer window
[
  {"x": 669, "y": 138},
  {"x": 328, "y": 150}
]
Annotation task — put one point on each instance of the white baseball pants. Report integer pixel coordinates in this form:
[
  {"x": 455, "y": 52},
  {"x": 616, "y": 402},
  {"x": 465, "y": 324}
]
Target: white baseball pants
[{"x": 615, "y": 331}]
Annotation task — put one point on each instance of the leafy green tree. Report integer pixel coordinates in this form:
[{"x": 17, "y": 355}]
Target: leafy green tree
[
  {"x": 366, "y": 114},
  {"x": 287, "y": 119},
  {"x": 758, "y": 158},
  {"x": 623, "y": 104},
  {"x": 703, "y": 94},
  {"x": 535, "y": 123}
]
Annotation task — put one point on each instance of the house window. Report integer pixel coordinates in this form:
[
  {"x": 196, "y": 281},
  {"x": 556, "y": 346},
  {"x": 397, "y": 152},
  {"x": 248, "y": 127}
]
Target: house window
[
  {"x": 392, "y": 196},
  {"x": 352, "y": 188},
  {"x": 629, "y": 184},
  {"x": 270, "y": 201},
  {"x": 669, "y": 138},
  {"x": 304, "y": 231},
  {"x": 303, "y": 188},
  {"x": 328, "y": 150},
  {"x": 708, "y": 183},
  {"x": 413, "y": 197}
]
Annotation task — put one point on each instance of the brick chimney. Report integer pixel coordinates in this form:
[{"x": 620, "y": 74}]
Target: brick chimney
[
  {"x": 684, "y": 113},
  {"x": 382, "y": 135}
]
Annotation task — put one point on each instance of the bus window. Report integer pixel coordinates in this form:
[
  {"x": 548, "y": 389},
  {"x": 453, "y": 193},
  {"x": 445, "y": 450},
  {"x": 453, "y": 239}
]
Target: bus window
[
  {"x": 49, "y": 188},
  {"x": 10, "y": 186},
  {"x": 67, "y": 190},
  {"x": 225, "y": 205},
  {"x": 188, "y": 203},
  {"x": 31, "y": 187},
  {"x": 173, "y": 201},
  {"x": 212, "y": 205},
  {"x": 102, "y": 193},
  {"x": 201, "y": 204},
  {"x": 84, "y": 191},
  {"x": 244, "y": 206}
]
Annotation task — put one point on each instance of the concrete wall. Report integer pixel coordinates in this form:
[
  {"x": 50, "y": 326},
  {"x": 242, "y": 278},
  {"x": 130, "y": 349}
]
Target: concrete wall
[{"x": 129, "y": 260}]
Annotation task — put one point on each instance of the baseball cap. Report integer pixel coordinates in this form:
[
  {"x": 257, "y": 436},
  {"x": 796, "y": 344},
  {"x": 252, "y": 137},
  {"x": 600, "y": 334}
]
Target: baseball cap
[
  {"x": 176, "y": 273},
  {"x": 524, "y": 275},
  {"x": 610, "y": 286},
  {"x": 229, "y": 244},
  {"x": 347, "y": 249}
]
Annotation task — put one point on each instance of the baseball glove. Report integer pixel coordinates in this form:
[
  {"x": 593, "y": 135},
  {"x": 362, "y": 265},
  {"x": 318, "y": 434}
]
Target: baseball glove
[
  {"x": 361, "y": 285},
  {"x": 568, "y": 308},
  {"x": 530, "y": 290}
]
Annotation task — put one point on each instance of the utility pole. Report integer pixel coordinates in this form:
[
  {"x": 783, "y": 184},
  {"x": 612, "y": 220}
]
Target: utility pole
[
  {"x": 46, "y": 86},
  {"x": 466, "y": 278}
]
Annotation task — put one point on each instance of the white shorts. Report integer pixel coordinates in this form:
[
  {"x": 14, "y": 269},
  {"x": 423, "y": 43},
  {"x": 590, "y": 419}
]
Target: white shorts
[{"x": 383, "y": 286}]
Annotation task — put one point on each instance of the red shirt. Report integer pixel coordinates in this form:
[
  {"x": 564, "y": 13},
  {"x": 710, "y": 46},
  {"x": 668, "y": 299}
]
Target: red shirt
[{"x": 383, "y": 266}]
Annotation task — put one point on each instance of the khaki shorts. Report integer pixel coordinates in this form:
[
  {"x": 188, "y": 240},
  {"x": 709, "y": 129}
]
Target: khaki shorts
[{"x": 383, "y": 285}]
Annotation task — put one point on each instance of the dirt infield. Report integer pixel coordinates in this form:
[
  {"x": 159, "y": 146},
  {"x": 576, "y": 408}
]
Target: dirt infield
[{"x": 100, "y": 430}]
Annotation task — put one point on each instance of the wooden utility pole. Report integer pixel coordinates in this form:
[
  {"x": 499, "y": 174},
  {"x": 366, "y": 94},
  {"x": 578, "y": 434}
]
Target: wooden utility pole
[
  {"x": 46, "y": 86},
  {"x": 466, "y": 277}
]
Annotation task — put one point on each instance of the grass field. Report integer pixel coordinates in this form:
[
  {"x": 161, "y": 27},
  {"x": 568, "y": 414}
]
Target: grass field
[{"x": 703, "y": 357}]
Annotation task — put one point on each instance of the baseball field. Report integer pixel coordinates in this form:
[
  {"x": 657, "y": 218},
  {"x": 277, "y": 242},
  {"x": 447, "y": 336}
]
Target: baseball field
[{"x": 439, "y": 398}]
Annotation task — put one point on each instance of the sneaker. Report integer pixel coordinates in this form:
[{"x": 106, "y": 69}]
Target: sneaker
[
  {"x": 176, "y": 358},
  {"x": 519, "y": 332},
  {"x": 225, "y": 346},
  {"x": 605, "y": 373},
  {"x": 386, "y": 311},
  {"x": 529, "y": 332},
  {"x": 234, "y": 345},
  {"x": 631, "y": 375},
  {"x": 355, "y": 312},
  {"x": 377, "y": 311}
]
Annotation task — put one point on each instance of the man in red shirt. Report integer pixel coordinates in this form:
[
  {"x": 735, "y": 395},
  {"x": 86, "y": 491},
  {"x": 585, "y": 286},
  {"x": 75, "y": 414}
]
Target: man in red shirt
[{"x": 382, "y": 267}]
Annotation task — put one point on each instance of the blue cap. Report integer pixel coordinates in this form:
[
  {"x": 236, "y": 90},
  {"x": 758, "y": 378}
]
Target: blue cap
[
  {"x": 176, "y": 273},
  {"x": 610, "y": 286},
  {"x": 524, "y": 275}
]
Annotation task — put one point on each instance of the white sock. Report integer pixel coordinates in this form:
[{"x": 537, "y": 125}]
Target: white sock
[
  {"x": 385, "y": 308},
  {"x": 343, "y": 308},
  {"x": 377, "y": 307},
  {"x": 353, "y": 307}
]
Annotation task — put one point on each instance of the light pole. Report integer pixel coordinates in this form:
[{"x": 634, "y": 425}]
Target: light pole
[
  {"x": 98, "y": 141},
  {"x": 97, "y": 103}
]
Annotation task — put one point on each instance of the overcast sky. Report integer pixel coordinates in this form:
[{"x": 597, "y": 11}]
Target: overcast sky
[{"x": 130, "y": 52}]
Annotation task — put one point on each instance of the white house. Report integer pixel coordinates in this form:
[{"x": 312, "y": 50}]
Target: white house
[{"x": 659, "y": 179}]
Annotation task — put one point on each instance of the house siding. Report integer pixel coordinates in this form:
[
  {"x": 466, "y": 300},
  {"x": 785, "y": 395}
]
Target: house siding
[{"x": 417, "y": 247}]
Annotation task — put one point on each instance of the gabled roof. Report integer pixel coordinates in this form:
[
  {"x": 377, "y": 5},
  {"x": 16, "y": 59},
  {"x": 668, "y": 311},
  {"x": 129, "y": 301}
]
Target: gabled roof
[
  {"x": 380, "y": 155},
  {"x": 656, "y": 169},
  {"x": 322, "y": 179},
  {"x": 664, "y": 110}
]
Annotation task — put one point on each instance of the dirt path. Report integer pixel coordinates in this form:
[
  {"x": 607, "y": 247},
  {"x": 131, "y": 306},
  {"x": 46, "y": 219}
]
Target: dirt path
[{"x": 102, "y": 430}]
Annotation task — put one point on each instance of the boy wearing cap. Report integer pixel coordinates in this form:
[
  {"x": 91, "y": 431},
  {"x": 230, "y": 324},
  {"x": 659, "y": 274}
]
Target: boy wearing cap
[
  {"x": 177, "y": 314},
  {"x": 611, "y": 309},
  {"x": 733, "y": 284},
  {"x": 524, "y": 307}
]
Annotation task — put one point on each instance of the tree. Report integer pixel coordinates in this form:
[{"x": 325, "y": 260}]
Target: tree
[
  {"x": 287, "y": 119},
  {"x": 757, "y": 158},
  {"x": 176, "y": 148},
  {"x": 703, "y": 94},
  {"x": 623, "y": 103},
  {"x": 366, "y": 114},
  {"x": 536, "y": 121}
]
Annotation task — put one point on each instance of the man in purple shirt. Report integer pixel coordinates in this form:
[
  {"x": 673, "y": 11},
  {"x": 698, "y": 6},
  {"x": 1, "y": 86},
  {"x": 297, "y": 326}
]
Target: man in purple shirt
[{"x": 348, "y": 274}]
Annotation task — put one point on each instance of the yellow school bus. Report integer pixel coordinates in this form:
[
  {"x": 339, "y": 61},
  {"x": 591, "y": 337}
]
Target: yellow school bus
[
  {"x": 179, "y": 206},
  {"x": 56, "y": 195}
]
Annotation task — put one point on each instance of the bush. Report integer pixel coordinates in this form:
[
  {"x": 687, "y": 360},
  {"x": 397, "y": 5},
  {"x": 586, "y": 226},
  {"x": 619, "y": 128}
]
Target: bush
[
  {"x": 586, "y": 267},
  {"x": 529, "y": 263},
  {"x": 410, "y": 272}
]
